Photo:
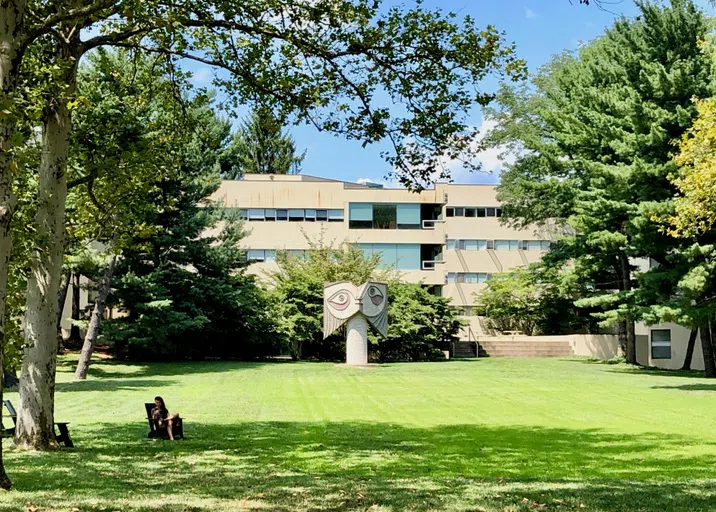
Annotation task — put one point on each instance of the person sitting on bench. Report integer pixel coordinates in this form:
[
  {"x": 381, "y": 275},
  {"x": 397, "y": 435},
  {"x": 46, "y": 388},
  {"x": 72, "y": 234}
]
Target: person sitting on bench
[{"x": 161, "y": 414}]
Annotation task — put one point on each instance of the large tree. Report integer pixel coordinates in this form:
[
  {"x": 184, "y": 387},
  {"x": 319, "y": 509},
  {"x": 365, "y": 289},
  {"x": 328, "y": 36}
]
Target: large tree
[
  {"x": 595, "y": 134},
  {"x": 329, "y": 63}
]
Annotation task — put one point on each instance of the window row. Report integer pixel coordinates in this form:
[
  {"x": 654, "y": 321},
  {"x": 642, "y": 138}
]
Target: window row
[
  {"x": 269, "y": 255},
  {"x": 291, "y": 215},
  {"x": 468, "y": 277},
  {"x": 468, "y": 211},
  {"x": 499, "y": 245},
  {"x": 399, "y": 256},
  {"x": 384, "y": 216}
]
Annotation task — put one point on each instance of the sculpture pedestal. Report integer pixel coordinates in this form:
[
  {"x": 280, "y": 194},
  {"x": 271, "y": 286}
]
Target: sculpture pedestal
[{"x": 357, "y": 340}]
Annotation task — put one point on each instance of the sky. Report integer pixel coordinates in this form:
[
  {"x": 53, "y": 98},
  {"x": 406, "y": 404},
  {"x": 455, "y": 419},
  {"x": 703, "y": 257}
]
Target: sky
[{"x": 540, "y": 29}]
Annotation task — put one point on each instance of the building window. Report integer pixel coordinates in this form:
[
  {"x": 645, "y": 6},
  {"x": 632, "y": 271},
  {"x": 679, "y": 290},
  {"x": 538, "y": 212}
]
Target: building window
[
  {"x": 514, "y": 245},
  {"x": 470, "y": 212},
  {"x": 502, "y": 245},
  {"x": 490, "y": 244},
  {"x": 256, "y": 255},
  {"x": 296, "y": 215},
  {"x": 281, "y": 214},
  {"x": 243, "y": 214},
  {"x": 498, "y": 211},
  {"x": 335, "y": 215},
  {"x": 269, "y": 214},
  {"x": 661, "y": 343},
  {"x": 385, "y": 216},
  {"x": 310, "y": 215},
  {"x": 360, "y": 216},
  {"x": 545, "y": 245},
  {"x": 451, "y": 277},
  {"x": 491, "y": 212},
  {"x": 398, "y": 256},
  {"x": 256, "y": 214},
  {"x": 450, "y": 245},
  {"x": 449, "y": 212},
  {"x": 322, "y": 215},
  {"x": 481, "y": 212},
  {"x": 408, "y": 216}
]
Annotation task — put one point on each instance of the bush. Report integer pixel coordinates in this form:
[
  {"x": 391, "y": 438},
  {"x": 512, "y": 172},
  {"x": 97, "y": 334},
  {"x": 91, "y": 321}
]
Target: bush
[{"x": 420, "y": 326}]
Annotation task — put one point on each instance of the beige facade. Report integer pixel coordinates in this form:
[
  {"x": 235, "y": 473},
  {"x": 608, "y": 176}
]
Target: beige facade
[{"x": 442, "y": 248}]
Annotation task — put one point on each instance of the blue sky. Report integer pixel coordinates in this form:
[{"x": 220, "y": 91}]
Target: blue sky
[{"x": 540, "y": 28}]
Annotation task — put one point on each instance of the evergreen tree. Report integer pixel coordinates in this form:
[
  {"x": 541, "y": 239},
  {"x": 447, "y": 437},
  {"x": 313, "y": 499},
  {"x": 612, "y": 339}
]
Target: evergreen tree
[
  {"x": 596, "y": 134},
  {"x": 261, "y": 146}
]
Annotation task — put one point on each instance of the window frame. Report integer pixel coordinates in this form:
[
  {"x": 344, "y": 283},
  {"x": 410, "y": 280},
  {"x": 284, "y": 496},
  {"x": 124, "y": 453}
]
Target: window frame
[{"x": 660, "y": 343}]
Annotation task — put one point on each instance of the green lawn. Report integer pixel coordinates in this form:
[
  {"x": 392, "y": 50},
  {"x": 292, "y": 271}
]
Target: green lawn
[{"x": 491, "y": 434}]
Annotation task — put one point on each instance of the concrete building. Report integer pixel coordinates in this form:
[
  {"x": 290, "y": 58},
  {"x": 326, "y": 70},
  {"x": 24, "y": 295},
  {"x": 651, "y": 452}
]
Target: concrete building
[{"x": 449, "y": 238}]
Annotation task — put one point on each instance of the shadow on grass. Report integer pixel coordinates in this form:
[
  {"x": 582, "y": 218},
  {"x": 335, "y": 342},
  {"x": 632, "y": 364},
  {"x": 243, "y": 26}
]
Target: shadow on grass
[
  {"x": 110, "y": 369},
  {"x": 689, "y": 387},
  {"x": 287, "y": 466},
  {"x": 623, "y": 368}
]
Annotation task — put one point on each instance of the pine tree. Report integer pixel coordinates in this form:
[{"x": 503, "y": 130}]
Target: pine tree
[{"x": 261, "y": 146}]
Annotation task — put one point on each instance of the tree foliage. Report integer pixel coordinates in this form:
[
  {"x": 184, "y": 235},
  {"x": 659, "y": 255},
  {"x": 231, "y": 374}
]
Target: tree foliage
[
  {"x": 696, "y": 180},
  {"x": 420, "y": 325},
  {"x": 261, "y": 146},
  {"x": 534, "y": 300}
]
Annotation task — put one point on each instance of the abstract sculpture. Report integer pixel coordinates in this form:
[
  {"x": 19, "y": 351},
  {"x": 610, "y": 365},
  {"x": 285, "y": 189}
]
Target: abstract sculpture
[{"x": 346, "y": 303}]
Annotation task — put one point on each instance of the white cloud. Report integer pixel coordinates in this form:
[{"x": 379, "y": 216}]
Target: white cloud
[
  {"x": 491, "y": 161},
  {"x": 529, "y": 13},
  {"x": 203, "y": 76}
]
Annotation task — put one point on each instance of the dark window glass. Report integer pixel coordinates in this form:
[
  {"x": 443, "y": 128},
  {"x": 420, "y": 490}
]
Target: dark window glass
[
  {"x": 470, "y": 212},
  {"x": 480, "y": 212},
  {"x": 459, "y": 212},
  {"x": 450, "y": 212},
  {"x": 499, "y": 212},
  {"x": 321, "y": 215},
  {"x": 490, "y": 212},
  {"x": 269, "y": 214},
  {"x": 281, "y": 214},
  {"x": 244, "y": 214},
  {"x": 491, "y": 244},
  {"x": 385, "y": 216},
  {"x": 360, "y": 224}
]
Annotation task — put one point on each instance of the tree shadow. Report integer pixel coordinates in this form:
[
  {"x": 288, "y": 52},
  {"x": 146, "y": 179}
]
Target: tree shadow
[
  {"x": 286, "y": 466},
  {"x": 689, "y": 387},
  {"x": 626, "y": 369},
  {"x": 112, "y": 384},
  {"x": 114, "y": 369}
]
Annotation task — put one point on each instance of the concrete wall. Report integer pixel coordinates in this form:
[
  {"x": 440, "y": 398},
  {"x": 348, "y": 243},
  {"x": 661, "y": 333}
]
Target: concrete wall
[
  {"x": 679, "y": 343},
  {"x": 601, "y": 346}
]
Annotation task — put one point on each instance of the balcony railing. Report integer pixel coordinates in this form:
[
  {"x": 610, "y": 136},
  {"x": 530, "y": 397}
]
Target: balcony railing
[{"x": 430, "y": 223}]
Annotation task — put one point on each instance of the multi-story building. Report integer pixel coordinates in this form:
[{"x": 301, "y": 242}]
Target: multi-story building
[{"x": 449, "y": 238}]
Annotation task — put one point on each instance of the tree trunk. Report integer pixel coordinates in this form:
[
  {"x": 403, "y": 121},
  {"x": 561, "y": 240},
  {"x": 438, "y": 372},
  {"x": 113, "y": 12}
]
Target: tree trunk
[
  {"x": 625, "y": 274},
  {"x": 707, "y": 350},
  {"x": 35, "y": 415},
  {"x": 74, "y": 328},
  {"x": 622, "y": 335},
  {"x": 690, "y": 349},
  {"x": 95, "y": 320},
  {"x": 61, "y": 298},
  {"x": 11, "y": 26}
]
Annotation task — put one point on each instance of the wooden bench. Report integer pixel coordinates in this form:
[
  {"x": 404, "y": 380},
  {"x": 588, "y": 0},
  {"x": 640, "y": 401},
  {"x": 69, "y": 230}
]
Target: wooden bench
[
  {"x": 155, "y": 430},
  {"x": 62, "y": 438}
]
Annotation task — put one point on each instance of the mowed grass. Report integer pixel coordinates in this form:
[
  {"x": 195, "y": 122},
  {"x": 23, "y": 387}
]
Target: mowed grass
[{"x": 481, "y": 435}]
